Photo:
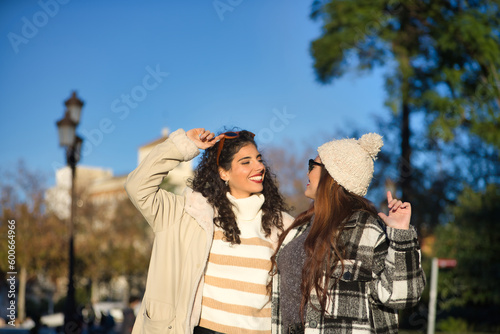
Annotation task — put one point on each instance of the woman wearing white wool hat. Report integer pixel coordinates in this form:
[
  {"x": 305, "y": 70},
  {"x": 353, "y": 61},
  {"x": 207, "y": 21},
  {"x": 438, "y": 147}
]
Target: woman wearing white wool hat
[{"x": 339, "y": 268}]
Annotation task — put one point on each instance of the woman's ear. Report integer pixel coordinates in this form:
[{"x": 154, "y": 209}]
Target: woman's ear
[{"x": 223, "y": 174}]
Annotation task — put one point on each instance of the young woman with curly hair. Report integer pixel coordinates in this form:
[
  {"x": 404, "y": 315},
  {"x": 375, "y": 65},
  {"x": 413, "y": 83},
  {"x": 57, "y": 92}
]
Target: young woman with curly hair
[
  {"x": 339, "y": 268},
  {"x": 213, "y": 244}
]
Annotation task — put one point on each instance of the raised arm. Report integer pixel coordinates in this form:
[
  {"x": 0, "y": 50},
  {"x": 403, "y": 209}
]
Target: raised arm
[
  {"x": 158, "y": 206},
  {"x": 400, "y": 278}
]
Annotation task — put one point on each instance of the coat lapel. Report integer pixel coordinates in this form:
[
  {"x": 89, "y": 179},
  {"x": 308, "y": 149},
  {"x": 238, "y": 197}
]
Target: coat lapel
[{"x": 198, "y": 208}]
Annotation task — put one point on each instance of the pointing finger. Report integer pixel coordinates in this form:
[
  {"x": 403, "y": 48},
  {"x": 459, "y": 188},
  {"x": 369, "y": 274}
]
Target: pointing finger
[{"x": 389, "y": 196}]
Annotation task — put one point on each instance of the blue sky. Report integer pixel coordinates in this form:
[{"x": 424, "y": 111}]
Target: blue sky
[{"x": 140, "y": 66}]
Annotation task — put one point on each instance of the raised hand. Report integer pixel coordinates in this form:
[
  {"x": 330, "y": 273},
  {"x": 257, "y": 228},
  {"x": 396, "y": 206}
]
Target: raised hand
[
  {"x": 202, "y": 138},
  {"x": 399, "y": 213}
]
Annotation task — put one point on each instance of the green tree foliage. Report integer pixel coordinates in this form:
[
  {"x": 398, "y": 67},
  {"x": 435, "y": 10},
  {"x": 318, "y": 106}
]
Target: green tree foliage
[
  {"x": 443, "y": 59},
  {"x": 446, "y": 56},
  {"x": 440, "y": 171},
  {"x": 473, "y": 238}
]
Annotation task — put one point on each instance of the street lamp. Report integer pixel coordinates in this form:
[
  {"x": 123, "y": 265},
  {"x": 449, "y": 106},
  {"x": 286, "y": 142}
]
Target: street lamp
[{"x": 73, "y": 143}]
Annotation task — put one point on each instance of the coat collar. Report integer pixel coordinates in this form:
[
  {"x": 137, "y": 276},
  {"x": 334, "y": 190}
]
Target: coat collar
[
  {"x": 198, "y": 207},
  {"x": 350, "y": 222}
]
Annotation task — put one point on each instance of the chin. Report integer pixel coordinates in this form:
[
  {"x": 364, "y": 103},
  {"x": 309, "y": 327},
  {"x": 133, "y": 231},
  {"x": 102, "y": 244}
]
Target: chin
[
  {"x": 308, "y": 195},
  {"x": 254, "y": 190},
  {"x": 259, "y": 190}
]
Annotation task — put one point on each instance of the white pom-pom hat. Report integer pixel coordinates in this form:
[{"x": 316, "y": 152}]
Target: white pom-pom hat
[{"x": 350, "y": 162}]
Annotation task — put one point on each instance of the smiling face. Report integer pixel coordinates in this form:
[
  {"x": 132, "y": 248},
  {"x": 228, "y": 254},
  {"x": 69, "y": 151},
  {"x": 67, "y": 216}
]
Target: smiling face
[
  {"x": 314, "y": 175},
  {"x": 246, "y": 173}
]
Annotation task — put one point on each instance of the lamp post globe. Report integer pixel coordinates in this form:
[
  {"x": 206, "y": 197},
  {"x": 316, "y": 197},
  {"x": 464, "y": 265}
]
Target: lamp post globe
[
  {"x": 74, "y": 106},
  {"x": 67, "y": 131}
]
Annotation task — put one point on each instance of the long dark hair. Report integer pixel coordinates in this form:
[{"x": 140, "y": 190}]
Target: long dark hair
[
  {"x": 324, "y": 251},
  {"x": 207, "y": 181}
]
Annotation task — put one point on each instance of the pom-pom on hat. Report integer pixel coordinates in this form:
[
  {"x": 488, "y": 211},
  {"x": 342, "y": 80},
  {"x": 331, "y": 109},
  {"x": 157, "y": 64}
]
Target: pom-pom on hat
[{"x": 350, "y": 162}]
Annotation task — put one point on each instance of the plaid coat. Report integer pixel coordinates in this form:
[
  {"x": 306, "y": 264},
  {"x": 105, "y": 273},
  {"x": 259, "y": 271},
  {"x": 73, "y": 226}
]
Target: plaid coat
[{"x": 382, "y": 273}]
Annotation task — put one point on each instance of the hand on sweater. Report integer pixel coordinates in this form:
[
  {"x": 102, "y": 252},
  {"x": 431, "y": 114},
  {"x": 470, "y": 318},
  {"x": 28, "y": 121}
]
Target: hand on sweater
[
  {"x": 202, "y": 138},
  {"x": 399, "y": 213}
]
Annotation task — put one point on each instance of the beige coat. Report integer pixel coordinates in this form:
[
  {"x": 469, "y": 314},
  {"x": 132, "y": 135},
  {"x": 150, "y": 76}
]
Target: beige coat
[{"x": 183, "y": 229}]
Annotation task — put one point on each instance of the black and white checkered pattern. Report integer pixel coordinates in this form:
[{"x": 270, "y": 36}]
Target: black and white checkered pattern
[{"x": 382, "y": 273}]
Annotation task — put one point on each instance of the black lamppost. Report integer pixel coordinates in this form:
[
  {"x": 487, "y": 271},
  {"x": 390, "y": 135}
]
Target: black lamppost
[{"x": 73, "y": 143}]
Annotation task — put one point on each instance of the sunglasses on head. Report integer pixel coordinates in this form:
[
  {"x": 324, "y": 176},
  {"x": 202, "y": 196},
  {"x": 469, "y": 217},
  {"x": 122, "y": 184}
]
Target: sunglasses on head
[
  {"x": 313, "y": 163},
  {"x": 228, "y": 135}
]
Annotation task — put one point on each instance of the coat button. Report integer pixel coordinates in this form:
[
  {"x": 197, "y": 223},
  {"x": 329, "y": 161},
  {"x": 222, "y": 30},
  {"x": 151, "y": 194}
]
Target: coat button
[
  {"x": 169, "y": 327},
  {"x": 313, "y": 324},
  {"x": 347, "y": 275}
]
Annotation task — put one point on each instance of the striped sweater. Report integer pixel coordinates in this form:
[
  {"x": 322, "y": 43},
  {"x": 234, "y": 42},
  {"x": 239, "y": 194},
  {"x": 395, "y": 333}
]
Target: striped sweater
[{"x": 235, "y": 299}]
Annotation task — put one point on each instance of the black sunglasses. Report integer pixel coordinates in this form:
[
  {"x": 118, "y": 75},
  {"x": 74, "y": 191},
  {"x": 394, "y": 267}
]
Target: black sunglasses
[{"x": 313, "y": 163}]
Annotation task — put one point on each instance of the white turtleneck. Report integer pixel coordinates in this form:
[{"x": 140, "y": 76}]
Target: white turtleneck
[{"x": 235, "y": 299}]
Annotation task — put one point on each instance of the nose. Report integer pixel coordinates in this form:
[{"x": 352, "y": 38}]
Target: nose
[{"x": 260, "y": 166}]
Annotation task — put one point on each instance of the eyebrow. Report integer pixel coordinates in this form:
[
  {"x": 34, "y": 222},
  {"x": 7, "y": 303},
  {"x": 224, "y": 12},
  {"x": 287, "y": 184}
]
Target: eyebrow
[{"x": 259, "y": 156}]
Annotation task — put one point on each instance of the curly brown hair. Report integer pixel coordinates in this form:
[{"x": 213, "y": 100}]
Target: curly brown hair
[{"x": 207, "y": 181}]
